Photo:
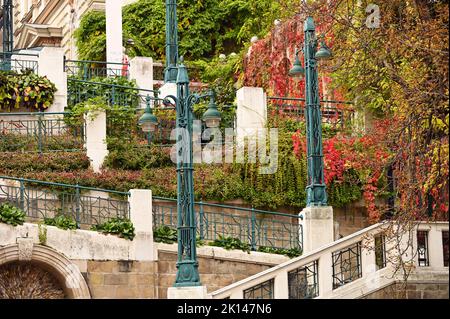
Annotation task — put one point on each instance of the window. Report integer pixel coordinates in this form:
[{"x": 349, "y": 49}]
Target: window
[
  {"x": 380, "y": 252},
  {"x": 445, "y": 247},
  {"x": 422, "y": 248}
]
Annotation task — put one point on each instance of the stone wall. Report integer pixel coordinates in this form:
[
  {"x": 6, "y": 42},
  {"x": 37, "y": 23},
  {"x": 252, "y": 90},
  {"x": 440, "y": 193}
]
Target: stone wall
[
  {"x": 215, "y": 273},
  {"x": 151, "y": 279},
  {"x": 121, "y": 279},
  {"x": 414, "y": 290}
]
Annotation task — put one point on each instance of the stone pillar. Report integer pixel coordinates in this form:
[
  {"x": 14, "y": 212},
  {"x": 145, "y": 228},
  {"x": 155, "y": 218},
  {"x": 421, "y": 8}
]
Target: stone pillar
[
  {"x": 114, "y": 52},
  {"x": 251, "y": 113},
  {"x": 435, "y": 249},
  {"x": 168, "y": 89},
  {"x": 141, "y": 70},
  {"x": 51, "y": 65},
  {"x": 96, "y": 147},
  {"x": 281, "y": 286},
  {"x": 198, "y": 292},
  {"x": 318, "y": 227},
  {"x": 141, "y": 216}
]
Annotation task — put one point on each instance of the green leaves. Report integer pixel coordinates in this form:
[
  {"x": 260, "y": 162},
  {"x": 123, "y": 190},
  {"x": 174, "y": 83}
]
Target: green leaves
[
  {"x": 291, "y": 252},
  {"x": 229, "y": 243},
  {"x": 165, "y": 234},
  {"x": 122, "y": 227},
  {"x": 11, "y": 215},
  {"x": 25, "y": 89},
  {"x": 61, "y": 221}
]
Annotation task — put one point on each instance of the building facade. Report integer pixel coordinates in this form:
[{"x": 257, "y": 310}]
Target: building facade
[{"x": 51, "y": 22}]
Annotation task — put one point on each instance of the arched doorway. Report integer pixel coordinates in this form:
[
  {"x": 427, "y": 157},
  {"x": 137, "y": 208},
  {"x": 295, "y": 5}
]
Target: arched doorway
[{"x": 36, "y": 271}]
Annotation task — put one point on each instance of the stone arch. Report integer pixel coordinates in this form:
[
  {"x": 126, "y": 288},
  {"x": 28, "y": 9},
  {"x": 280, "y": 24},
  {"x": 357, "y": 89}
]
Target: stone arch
[{"x": 61, "y": 267}]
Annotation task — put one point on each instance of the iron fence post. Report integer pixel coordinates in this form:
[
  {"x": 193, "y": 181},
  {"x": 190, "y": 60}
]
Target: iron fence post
[
  {"x": 22, "y": 196},
  {"x": 253, "y": 230},
  {"x": 77, "y": 205},
  {"x": 201, "y": 216},
  {"x": 113, "y": 93},
  {"x": 40, "y": 134}
]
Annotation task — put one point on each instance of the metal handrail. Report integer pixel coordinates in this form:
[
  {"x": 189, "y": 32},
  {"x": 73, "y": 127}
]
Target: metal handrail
[
  {"x": 115, "y": 85},
  {"x": 26, "y": 180},
  {"x": 232, "y": 207}
]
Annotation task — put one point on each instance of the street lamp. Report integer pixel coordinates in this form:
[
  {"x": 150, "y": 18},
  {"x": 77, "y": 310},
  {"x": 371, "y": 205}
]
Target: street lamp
[
  {"x": 8, "y": 35},
  {"x": 316, "y": 190},
  {"x": 187, "y": 264}
]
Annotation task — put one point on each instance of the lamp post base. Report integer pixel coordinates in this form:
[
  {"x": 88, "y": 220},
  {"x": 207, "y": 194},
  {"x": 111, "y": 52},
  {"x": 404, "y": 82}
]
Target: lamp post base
[{"x": 198, "y": 292}]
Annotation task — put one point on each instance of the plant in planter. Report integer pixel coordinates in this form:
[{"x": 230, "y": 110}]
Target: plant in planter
[
  {"x": 165, "y": 234},
  {"x": 27, "y": 90},
  {"x": 230, "y": 243},
  {"x": 122, "y": 227},
  {"x": 11, "y": 215},
  {"x": 61, "y": 221}
]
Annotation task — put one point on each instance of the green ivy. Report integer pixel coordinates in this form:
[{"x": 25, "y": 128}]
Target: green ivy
[
  {"x": 61, "y": 221},
  {"x": 122, "y": 227},
  {"x": 11, "y": 215}
]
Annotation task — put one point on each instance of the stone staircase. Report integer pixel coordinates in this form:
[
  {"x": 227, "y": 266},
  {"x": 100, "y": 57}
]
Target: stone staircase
[{"x": 362, "y": 265}]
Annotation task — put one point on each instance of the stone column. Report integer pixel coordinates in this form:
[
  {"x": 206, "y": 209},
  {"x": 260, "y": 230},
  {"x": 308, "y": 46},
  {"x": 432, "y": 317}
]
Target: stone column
[
  {"x": 318, "y": 227},
  {"x": 168, "y": 89},
  {"x": 96, "y": 147},
  {"x": 251, "y": 113},
  {"x": 113, "y": 9},
  {"x": 51, "y": 65},
  {"x": 141, "y": 70},
  {"x": 141, "y": 216},
  {"x": 198, "y": 292}
]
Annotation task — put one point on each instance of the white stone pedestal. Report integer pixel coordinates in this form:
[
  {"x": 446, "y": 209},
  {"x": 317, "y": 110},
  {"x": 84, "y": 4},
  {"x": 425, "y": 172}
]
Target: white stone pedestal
[
  {"x": 318, "y": 227},
  {"x": 198, "y": 292},
  {"x": 168, "y": 89},
  {"x": 96, "y": 147}
]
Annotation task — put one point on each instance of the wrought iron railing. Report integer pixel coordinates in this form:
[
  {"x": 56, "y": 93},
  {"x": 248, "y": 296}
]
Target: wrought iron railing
[
  {"x": 85, "y": 69},
  {"x": 258, "y": 228},
  {"x": 262, "y": 291},
  {"x": 346, "y": 265},
  {"x": 40, "y": 132},
  {"x": 116, "y": 95},
  {"x": 18, "y": 62},
  {"x": 40, "y": 199},
  {"x": 336, "y": 113},
  {"x": 303, "y": 282}
]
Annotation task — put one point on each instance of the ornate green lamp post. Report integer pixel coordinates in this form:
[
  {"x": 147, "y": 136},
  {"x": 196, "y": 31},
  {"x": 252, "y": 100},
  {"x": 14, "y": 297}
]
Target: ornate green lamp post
[
  {"x": 170, "y": 72},
  {"x": 187, "y": 264},
  {"x": 8, "y": 36},
  {"x": 316, "y": 192}
]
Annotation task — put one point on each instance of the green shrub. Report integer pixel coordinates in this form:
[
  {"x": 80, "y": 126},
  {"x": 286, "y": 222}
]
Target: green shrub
[
  {"x": 122, "y": 227},
  {"x": 61, "y": 221},
  {"x": 11, "y": 215},
  {"x": 25, "y": 90},
  {"x": 165, "y": 234},
  {"x": 130, "y": 155},
  {"x": 230, "y": 243},
  {"x": 291, "y": 252},
  {"x": 20, "y": 163}
]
